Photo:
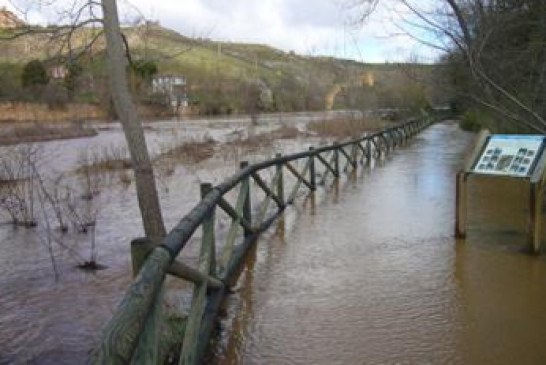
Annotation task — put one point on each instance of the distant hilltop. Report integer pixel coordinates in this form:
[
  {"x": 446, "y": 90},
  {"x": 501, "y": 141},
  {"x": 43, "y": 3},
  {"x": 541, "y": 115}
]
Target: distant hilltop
[{"x": 8, "y": 20}]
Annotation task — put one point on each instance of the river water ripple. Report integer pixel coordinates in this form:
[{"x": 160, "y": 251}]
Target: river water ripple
[{"x": 371, "y": 274}]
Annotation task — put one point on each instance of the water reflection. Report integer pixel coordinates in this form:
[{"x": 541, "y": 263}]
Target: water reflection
[
  {"x": 373, "y": 275},
  {"x": 48, "y": 322}
]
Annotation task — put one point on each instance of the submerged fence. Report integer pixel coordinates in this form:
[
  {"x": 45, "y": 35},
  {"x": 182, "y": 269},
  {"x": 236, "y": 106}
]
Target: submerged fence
[{"x": 133, "y": 334}]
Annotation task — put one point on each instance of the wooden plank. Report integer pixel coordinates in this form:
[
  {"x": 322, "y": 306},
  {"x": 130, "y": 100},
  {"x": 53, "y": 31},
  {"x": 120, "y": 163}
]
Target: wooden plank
[
  {"x": 535, "y": 217},
  {"x": 188, "y": 273},
  {"x": 460, "y": 205},
  {"x": 146, "y": 351},
  {"x": 354, "y": 154},
  {"x": 121, "y": 335},
  {"x": 234, "y": 228},
  {"x": 188, "y": 354},
  {"x": 208, "y": 235},
  {"x": 382, "y": 143},
  {"x": 474, "y": 153},
  {"x": 142, "y": 247},
  {"x": 336, "y": 160},
  {"x": 232, "y": 212},
  {"x": 349, "y": 160},
  {"x": 390, "y": 139},
  {"x": 247, "y": 207},
  {"x": 299, "y": 176},
  {"x": 268, "y": 191},
  {"x": 299, "y": 182},
  {"x": 280, "y": 181},
  {"x": 326, "y": 164},
  {"x": 208, "y": 323},
  {"x": 326, "y": 173},
  {"x": 369, "y": 152},
  {"x": 376, "y": 148},
  {"x": 539, "y": 173},
  {"x": 400, "y": 135},
  {"x": 312, "y": 171},
  {"x": 265, "y": 203},
  {"x": 364, "y": 152},
  {"x": 538, "y": 221}
]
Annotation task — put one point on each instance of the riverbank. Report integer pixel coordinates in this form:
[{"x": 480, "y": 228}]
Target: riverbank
[
  {"x": 12, "y": 112},
  {"x": 67, "y": 124},
  {"x": 40, "y": 132}
]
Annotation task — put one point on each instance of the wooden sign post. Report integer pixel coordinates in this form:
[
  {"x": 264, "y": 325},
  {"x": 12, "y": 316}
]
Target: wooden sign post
[{"x": 509, "y": 156}]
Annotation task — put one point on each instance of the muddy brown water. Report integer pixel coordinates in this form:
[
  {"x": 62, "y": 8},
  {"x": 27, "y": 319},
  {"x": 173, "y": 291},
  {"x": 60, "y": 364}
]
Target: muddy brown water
[
  {"x": 48, "y": 322},
  {"x": 371, "y": 274},
  {"x": 364, "y": 272}
]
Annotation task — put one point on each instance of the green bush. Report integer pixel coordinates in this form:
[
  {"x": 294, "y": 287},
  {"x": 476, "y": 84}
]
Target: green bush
[
  {"x": 472, "y": 121},
  {"x": 34, "y": 73}
]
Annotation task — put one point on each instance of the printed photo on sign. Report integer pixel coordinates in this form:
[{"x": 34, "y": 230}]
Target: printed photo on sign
[{"x": 512, "y": 155}]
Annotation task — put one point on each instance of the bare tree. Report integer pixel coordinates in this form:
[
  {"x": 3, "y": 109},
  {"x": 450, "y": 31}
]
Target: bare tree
[
  {"x": 148, "y": 198},
  {"x": 499, "y": 42},
  {"x": 83, "y": 13}
]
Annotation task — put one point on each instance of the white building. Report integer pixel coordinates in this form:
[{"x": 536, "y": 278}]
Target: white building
[{"x": 173, "y": 87}]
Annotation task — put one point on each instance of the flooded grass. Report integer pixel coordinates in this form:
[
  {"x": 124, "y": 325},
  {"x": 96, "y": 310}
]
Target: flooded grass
[
  {"x": 345, "y": 128},
  {"x": 39, "y": 132},
  {"x": 107, "y": 159},
  {"x": 106, "y": 165},
  {"x": 192, "y": 152},
  {"x": 254, "y": 142},
  {"x": 84, "y": 296}
]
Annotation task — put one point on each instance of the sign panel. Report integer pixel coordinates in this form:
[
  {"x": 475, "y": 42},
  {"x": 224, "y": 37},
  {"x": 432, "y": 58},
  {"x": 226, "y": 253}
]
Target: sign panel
[{"x": 510, "y": 155}]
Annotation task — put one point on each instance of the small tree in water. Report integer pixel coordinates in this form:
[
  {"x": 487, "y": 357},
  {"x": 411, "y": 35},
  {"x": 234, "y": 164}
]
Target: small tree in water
[{"x": 148, "y": 198}]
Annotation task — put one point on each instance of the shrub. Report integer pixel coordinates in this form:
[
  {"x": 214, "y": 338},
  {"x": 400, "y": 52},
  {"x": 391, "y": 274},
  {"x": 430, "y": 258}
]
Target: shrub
[
  {"x": 472, "y": 121},
  {"x": 34, "y": 74}
]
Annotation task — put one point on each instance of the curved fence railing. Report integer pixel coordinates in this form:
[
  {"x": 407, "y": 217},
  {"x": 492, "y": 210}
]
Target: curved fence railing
[{"x": 133, "y": 334}]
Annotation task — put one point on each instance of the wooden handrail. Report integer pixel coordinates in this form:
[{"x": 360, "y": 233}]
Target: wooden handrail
[{"x": 121, "y": 335}]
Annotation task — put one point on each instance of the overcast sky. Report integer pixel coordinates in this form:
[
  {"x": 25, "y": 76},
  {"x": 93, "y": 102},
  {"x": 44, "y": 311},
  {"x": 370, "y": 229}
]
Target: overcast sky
[{"x": 311, "y": 27}]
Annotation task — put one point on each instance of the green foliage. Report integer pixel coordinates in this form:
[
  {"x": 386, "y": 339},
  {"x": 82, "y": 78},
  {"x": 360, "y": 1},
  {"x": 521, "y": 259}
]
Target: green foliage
[
  {"x": 473, "y": 120},
  {"x": 34, "y": 74},
  {"x": 218, "y": 75},
  {"x": 507, "y": 44},
  {"x": 10, "y": 76},
  {"x": 74, "y": 72},
  {"x": 172, "y": 332},
  {"x": 144, "y": 69}
]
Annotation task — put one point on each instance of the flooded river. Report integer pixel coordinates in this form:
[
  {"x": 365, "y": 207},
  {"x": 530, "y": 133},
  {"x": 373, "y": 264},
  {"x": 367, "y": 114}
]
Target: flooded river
[
  {"x": 363, "y": 272},
  {"x": 370, "y": 273},
  {"x": 43, "y": 321}
]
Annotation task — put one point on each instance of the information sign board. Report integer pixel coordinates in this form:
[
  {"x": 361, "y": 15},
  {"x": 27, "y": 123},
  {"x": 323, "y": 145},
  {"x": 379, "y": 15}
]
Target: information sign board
[{"x": 510, "y": 155}]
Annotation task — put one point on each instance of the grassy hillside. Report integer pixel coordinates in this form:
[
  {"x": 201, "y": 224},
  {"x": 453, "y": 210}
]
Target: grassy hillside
[{"x": 221, "y": 75}]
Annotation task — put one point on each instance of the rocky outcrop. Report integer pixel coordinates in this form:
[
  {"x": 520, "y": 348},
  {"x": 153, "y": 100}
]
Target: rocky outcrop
[{"x": 8, "y": 20}]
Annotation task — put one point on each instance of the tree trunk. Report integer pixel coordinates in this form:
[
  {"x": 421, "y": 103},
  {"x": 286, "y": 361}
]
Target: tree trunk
[{"x": 148, "y": 199}]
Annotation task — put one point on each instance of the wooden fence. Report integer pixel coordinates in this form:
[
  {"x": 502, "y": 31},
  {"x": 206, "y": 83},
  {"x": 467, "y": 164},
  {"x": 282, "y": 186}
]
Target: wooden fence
[{"x": 132, "y": 336}]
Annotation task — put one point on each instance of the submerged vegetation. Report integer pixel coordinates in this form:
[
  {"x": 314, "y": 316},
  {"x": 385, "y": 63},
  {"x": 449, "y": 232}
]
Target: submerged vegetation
[{"x": 345, "y": 128}]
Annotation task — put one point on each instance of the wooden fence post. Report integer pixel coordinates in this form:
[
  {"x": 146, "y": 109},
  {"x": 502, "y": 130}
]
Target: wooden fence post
[
  {"x": 147, "y": 349},
  {"x": 368, "y": 152},
  {"x": 140, "y": 249},
  {"x": 460, "y": 205},
  {"x": 247, "y": 207},
  {"x": 336, "y": 160},
  {"x": 535, "y": 217},
  {"x": 280, "y": 181},
  {"x": 312, "y": 172},
  {"x": 354, "y": 154},
  {"x": 208, "y": 230}
]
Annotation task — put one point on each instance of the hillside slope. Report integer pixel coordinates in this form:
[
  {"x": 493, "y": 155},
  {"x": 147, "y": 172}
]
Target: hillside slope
[{"x": 221, "y": 72}]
